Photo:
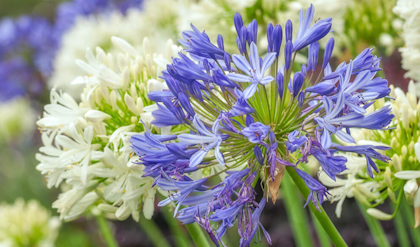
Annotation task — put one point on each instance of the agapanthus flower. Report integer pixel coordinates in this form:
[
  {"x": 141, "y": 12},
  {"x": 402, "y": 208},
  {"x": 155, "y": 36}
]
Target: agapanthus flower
[
  {"x": 254, "y": 125},
  {"x": 27, "y": 223},
  {"x": 86, "y": 144},
  {"x": 393, "y": 155},
  {"x": 95, "y": 22}
]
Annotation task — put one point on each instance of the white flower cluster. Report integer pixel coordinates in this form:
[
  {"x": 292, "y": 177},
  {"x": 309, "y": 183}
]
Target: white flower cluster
[
  {"x": 16, "y": 119},
  {"x": 409, "y": 11},
  {"x": 27, "y": 224},
  {"x": 158, "y": 20},
  {"x": 404, "y": 141},
  {"x": 86, "y": 145}
]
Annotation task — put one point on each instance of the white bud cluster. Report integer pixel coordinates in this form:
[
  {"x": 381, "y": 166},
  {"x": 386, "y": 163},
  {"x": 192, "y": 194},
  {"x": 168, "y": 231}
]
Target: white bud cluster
[
  {"x": 86, "y": 144},
  {"x": 27, "y": 224}
]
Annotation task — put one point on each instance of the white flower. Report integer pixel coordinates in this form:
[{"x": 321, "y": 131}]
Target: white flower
[
  {"x": 74, "y": 202},
  {"x": 49, "y": 160},
  {"x": 409, "y": 11},
  {"x": 27, "y": 224},
  {"x": 16, "y": 118},
  {"x": 158, "y": 20},
  {"x": 62, "y": 111},
  {"x": 79, "y": 149}
]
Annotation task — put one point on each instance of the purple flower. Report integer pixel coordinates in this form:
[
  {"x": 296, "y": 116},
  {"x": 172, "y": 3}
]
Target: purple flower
[
  {"x": 256, "y": 132},
  {"x": 318, "y": 191},
  {"x": 369, "y": 152},
  {"x": 213, "y": 139},
  {"x": 308, "y": 35},
  {"x": 254, "y": 71},
  {"x": 199, "y": 44},
  {"x": 331, "y": 165},
  {"x": 294, "y": 142}
]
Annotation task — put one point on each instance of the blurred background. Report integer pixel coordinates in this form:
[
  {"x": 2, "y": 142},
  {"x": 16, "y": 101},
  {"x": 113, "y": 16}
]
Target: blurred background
[{"x": 37, "y": 53}]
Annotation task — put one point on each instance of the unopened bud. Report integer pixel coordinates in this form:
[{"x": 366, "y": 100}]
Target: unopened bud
[
  {"x": 391, "y": 195},
  {"x": 378, "y": 214},
  {"x": 131, "y": 104},
  {"x": 121, "y": 62},
  {"x": 404, "y": 151},
  {"x": 134, "y": 120},
  {"x": 105, "y": 93},
  {"x": 410, "y": 189},
  {"x": 396, "y": 162},
  {"x": 126, "y": 79},
  {"x": 394, "y": 143},
  {"x": 388, "y": 179},
  {"x": 133, "y": 91}
]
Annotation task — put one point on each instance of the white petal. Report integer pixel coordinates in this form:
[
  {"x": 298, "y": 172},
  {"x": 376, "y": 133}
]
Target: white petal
[{"x": 407, "y": 174}]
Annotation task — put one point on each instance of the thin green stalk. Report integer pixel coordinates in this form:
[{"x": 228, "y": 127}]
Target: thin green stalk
[
  {"x": 374, "y": 226},
  {"x": 400, "y": 227},
  {"x": 323, "y": 238},
  {"x": 296, "y": 213},
  {"x": 106, "y": 231},
  {"x": 322, "y": 216},
  {"x": 197, "y": 235},
  {"x": 179, "y": 235},
  {"x": 153, "y": 233},
  {"x": 407, "y": 211}
]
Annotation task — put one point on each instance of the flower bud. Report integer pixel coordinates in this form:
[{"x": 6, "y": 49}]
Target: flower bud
[
  {"x": 391, "y": 195},
  {"x": 404, "y": 151},
  {"x": 122, "y": 63},
  {"x": 387, "y": 178},
  {"x": 125, "y": 79},
  {"x": 124, "y": 46},
  {"x": 133, "y": 91},
  {"x": 131, "y": 104},
  {"x": 378, "y": 214},
  {"x": 410, "y": 189},
  {"x": 140, "y": 105},
  {"x": 105, "y": 93},
  {"x": 396, "y": 162}
]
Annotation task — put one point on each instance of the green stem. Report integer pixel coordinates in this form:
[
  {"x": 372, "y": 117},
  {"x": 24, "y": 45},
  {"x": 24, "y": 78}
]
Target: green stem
[
  {"x": 296, "y": 213},
  {"x": 197, "y": 235},
  {"x": 407, "y": 211},
  {"x": 322, "y": 235},
  {"x": 322, "y": 216},
  {"x": 179, "y": 235},
  {"x": 106, "y": 231},
  {"x": 374, "y": 227},
  {"x": 153, "y": 233},
  {"x": 400, "y": 227}
]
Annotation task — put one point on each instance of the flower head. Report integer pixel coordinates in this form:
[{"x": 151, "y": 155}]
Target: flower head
[{"x": 235, "y": 131}]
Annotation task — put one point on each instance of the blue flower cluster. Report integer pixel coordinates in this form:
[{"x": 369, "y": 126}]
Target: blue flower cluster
[
  {"x": 252, "y": 117},
  {"x": 28, "y": 45}
]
